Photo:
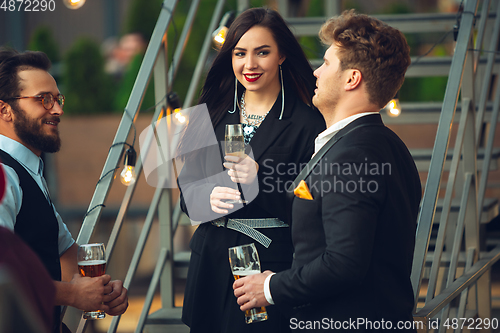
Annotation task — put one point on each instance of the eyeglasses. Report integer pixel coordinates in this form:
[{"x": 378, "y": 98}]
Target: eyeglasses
[{"x": 47, "y": 99}]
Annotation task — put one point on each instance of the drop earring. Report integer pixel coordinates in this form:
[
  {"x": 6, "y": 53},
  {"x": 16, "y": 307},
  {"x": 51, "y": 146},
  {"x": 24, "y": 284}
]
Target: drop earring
[
  {"x": 235, "y": 95},
  {"x": 282, "y": 94}
]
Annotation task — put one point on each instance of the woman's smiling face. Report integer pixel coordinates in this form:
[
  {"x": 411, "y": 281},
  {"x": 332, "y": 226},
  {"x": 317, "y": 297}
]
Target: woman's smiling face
[{"x": 256, "y": 60}]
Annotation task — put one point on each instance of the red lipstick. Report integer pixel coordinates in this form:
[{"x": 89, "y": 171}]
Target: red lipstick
[{"x": 252, "y": 77}]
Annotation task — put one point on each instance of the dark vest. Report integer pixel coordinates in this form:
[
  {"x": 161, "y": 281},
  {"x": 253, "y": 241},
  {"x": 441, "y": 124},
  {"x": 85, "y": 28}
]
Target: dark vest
[{"x": 37, "y": 224}]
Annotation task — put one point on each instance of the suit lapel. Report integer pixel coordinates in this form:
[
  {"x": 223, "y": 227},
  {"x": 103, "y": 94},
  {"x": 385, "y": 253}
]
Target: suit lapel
[
  {"x": 272, "y": 127},
  {"x": 268, "y": 132},
  {"x": 370, "y": 120}
]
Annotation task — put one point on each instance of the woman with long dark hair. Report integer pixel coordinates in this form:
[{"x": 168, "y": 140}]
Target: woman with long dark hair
[{"x": 261, "y": 79}]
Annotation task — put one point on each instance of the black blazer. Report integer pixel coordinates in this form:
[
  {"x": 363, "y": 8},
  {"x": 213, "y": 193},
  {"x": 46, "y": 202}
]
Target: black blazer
[
  {"x": 280, "y": 147},
  {"x": 354, "y": 241}
]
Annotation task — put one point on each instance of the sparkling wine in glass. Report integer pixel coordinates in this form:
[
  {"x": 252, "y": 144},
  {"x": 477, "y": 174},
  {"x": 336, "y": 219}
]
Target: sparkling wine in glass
[
  {"x": 92, "y": 263},
  {"x": 244, "y": 261},
  {"x": 234, "y": 145}
]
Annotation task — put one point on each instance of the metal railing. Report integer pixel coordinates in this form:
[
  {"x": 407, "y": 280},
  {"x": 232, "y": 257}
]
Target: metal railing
[
  {"x": 154, "y": 62},
  {"x": 446, "y": 281}
]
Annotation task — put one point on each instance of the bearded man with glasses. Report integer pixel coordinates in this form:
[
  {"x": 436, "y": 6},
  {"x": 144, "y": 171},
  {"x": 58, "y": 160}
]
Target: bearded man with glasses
[{"x": 30, "y": 110}]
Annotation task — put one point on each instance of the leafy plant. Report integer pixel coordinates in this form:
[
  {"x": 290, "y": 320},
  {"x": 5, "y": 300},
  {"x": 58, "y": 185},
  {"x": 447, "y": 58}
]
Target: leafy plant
[
  {"x": 43, "y": 40},
  {"x": 142, "y": 16},
  {"x": 88, "y": 88},
  {"x": 126, "y": 84}
]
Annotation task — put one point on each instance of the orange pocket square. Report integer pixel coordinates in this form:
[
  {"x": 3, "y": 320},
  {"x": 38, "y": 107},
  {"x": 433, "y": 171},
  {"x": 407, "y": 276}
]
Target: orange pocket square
[{"x": 302, "y": 191}]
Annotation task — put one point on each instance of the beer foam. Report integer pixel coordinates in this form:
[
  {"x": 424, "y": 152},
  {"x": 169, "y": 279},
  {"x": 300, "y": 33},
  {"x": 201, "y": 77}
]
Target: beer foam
[
  {"x": 246, "y": 273},
  {"x": 91, "y": 262}
]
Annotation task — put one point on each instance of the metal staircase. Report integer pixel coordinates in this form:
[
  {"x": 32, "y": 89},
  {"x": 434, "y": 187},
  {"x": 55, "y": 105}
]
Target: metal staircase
[{"x": 449, "y": 261}]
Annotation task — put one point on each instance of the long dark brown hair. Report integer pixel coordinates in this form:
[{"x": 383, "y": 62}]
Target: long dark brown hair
[{"x": 218, "y": 90}]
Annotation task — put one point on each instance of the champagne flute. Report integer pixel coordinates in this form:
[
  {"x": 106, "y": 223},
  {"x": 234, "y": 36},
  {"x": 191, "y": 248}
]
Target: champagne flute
[
  {"x": 244, "y": 260},
  {"x": 234, "y": 145},
  {"x": 92, "y": 263}
]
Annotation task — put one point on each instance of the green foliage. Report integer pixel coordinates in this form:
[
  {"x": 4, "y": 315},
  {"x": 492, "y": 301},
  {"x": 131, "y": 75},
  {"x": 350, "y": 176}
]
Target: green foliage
[
  {"x": 258, "y": 3},
  {"x": 127, "y": 83},
  {"x": 43, "y": 40},
  {"x": 316, "y": 8},
  {"x": 429, "y": 89},
  {"x": 312, "y": 46},
  {"x": 88, "y": 89},
  {"x": 397, "y": 8},
  {"x": 142, "y": 16},
  {"x": 353, "y": 4}
]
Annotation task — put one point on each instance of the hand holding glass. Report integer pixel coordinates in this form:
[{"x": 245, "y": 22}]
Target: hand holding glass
[
  {"x": 234, "y": 145},
  {"x": 92, "y": 263},
  {"x": 244, "y": 260}
]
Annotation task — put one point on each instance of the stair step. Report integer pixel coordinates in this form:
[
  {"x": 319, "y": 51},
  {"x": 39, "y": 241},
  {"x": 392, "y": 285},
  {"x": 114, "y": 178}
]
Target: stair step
[
  {"x": 165, "y": 316},
  {"x": 428, "y": 66},
  {"x": 407, "y": 23},
  {"x": 425, "y": 67},
  {"x": 422, "y": 158},
  {"x": 166, "y": 328},
  {"x": 446, "y": 257},
  {"x": 414, "y": 113},
  {"x": 490, "y": 209},
  {"x": 181, "y": 264}
]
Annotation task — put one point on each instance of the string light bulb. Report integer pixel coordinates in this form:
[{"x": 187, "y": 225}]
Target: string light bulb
[
  {"x": 74, "y": 4},
  {"x": 220, "y": 33},
  {"x": 179, "y": 117},
  {"x": 128, "y": 175},
  {"x": 393, "y": 108},
  {"x": 174, "y": 104},
  {"x": 220, "y": 36}
]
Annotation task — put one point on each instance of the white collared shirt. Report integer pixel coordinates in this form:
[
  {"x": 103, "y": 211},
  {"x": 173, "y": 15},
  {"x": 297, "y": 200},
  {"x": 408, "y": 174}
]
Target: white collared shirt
[
  {"x": 327, "y": 134},
  {"x": 13, "y": 198}
]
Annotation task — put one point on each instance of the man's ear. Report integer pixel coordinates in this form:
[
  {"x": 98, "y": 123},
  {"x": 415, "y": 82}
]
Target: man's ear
[
  {"x": 353, "y": 80},
  {"x": 5, "y": 111}
]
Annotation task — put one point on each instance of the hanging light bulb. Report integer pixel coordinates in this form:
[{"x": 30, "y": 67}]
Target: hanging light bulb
[
  {"x": 128, "y": 176},
  {"x": 179, "y": 117},
  {"x": 393, "y": 108},
  {"x": 74, "y": 4},
  {"x": 219, "y": 35},
  {"x": 174, "y": 104}
]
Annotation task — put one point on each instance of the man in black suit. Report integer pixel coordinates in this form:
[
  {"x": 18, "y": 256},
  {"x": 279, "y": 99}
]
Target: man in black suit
[{"x": 354, "y": 213}]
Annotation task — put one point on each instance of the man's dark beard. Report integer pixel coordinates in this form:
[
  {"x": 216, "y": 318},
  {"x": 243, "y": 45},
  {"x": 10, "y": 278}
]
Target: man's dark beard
[{"x": 30, "y": 132}]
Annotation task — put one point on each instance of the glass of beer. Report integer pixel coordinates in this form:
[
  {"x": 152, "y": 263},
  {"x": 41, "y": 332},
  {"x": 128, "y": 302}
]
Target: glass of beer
[
  {"x": 234, "y": 145},
  {"x": 244, "y": 260},
  {"x": 92, "y": 263}
]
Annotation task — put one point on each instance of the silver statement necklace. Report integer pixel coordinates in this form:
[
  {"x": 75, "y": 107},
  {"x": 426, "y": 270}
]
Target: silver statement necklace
[{"x": 252, "y": 119}]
